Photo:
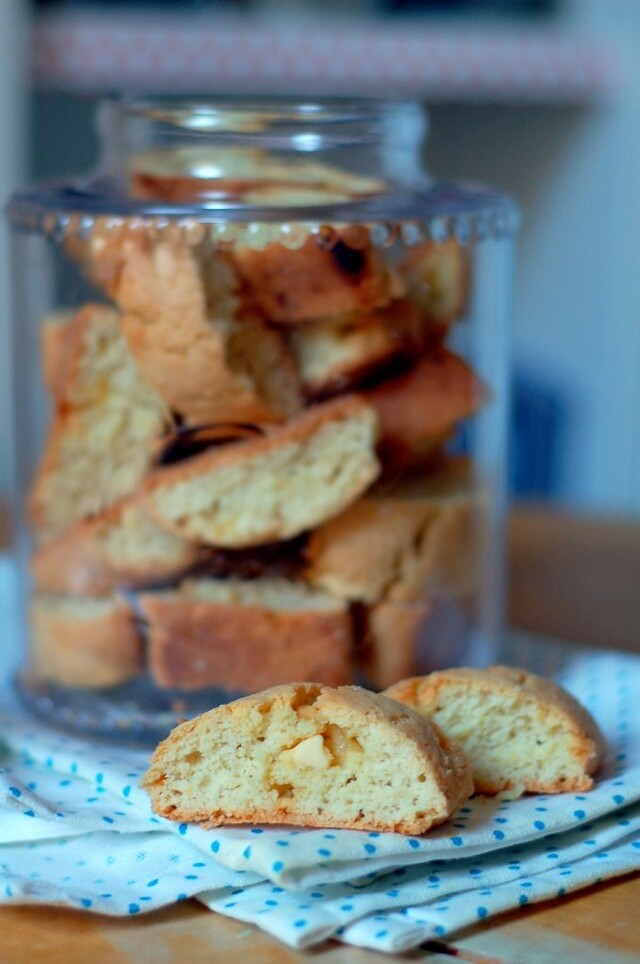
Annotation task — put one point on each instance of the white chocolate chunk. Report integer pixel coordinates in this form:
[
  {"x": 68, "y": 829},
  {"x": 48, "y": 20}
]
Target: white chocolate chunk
[{"x": 308, "y": 753}]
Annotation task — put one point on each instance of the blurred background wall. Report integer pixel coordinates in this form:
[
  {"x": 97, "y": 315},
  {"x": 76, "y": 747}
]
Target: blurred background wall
[
  {"x": 13, "y": 133},
  {"x": 540, "y": 97}
]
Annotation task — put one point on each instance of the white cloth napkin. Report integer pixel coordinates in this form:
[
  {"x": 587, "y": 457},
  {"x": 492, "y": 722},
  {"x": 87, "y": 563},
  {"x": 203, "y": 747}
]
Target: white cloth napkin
[{"x": 75, "y": 830}]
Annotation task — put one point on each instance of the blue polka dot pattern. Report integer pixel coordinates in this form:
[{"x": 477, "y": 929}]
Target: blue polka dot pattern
[{"x": 84, "y": 828}]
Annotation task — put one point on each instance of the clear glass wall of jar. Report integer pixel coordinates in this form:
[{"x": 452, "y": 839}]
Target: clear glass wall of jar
[{"x": 261, "y": 384}]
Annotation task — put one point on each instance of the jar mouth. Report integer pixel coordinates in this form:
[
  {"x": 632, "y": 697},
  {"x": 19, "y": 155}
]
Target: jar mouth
[
  {"x": 258, "y": 151},
  {"x": 258, "y": 160},
  {"x": 344, "y": 120}
]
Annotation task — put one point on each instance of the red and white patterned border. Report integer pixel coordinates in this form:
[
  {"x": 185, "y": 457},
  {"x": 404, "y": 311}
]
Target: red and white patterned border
[{"x": 95, "y": 53}]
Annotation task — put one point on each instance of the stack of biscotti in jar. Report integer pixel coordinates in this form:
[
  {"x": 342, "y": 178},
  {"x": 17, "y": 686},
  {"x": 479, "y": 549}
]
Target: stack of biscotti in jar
[{"x": 246, "y": 479}]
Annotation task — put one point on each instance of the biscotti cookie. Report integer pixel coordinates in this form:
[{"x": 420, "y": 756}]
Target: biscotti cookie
[
  {"x": 404, "y": 543},
  {"x": 186, "y": 327},
  {"x": 437, "y": 278},
  {"x": 242, "y": 175},
  {"x": 335, "y": 353},
  {"x": 120, "y": 546},
  {"x": 228, "y": 371},
  {"x": 271, "y": 488},
  {"x": 316, "y": 280},
  {"x": 55, "y": 335},
  {"x": 308, "y": 755},
  {"x": 105, "y": 423},
  {"x": 388, "y": 645},
  {"x": 246, "y": 635},
  {"x": 84, "y": 642},
  {"x": 519, "y": 731},
  {"x": 420, "y": 410}
]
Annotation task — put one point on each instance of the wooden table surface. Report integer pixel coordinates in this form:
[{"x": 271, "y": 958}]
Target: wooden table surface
[{"x": 575, "y": 578}]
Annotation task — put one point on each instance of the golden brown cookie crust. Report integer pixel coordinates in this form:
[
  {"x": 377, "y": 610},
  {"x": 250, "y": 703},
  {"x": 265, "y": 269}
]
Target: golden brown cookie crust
[
  {"x": 421, "y": 409},
  {"x": 105, "y": 421},
  {"x": 400, "y": 544},
  {"x": 336, "y": 353},
  {"x": 87, "y": 642},
  {"x": 246, "y": 641},
  {"x": 294, "y": 285},
  {"x": 388, "y": 644},
  {"x": 121, "y": 546},
  {"x": 186, "y": 324}
]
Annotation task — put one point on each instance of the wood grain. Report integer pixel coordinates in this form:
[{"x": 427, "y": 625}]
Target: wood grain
[{"x": 596, "y": 926}]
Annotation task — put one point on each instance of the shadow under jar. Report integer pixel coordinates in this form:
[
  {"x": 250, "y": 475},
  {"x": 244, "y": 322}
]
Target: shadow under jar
[{"x": 260, "y": 411}]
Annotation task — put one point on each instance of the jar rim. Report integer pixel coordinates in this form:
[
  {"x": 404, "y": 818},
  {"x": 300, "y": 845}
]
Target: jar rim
[
  {"x": 243, "y": 114},
  {"x": 468, "y": 212},
  {"x": 289, "y": 140}
]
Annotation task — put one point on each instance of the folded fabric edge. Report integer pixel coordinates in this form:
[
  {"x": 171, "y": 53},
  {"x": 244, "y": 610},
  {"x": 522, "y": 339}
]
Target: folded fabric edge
[
  {"x": 617, "y": 861},
  {"x": 299, "y": 933},
  {"x": 19, "y": 891},
  {"x": 396, "y": 931}
]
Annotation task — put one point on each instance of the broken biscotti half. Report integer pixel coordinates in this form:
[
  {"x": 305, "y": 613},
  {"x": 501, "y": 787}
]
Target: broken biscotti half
[
  {"x": 121, "y": 546},
  {"x": 273, "y": 487},
  {"x": 313, "y": 756},
  {"x": 402, "y": 543},
  {"x": 245, "y": 635},
  {"x": 334, "y": 354},
  {"x": 519, "y": 731},
  {"x": 421, "y": 409},
  {"x": 106, "y": 419}
]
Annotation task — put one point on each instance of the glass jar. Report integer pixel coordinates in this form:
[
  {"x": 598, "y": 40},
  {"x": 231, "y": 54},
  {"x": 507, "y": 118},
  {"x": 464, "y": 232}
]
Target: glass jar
[{"x": 261, "y": 382}]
